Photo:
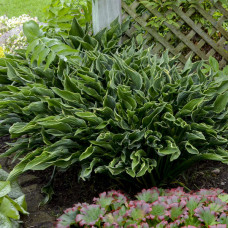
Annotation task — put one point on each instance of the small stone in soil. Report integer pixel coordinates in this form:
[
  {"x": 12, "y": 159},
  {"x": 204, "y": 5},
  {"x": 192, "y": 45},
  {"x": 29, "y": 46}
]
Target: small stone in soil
[{"x": 216, "y": 171}]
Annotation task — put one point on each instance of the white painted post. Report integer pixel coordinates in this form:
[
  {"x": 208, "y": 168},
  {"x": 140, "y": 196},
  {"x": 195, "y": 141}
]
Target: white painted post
[{"x": 104, "y": 13}]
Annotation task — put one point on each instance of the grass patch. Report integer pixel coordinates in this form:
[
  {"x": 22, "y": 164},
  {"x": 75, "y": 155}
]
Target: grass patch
[{"x": 16, "y": 8}]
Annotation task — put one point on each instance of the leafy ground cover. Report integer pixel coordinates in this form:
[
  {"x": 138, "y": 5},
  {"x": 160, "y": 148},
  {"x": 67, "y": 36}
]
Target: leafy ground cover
[
  {"x": 152, "y": 208},
  {"x": 15, "y": 8}
]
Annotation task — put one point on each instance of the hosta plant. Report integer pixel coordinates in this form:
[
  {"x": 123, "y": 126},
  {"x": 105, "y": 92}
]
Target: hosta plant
[
  {"x": 109, "y": 107},
  {"x": 12, "y": 202},
  {"x": 154, "y": 207}
]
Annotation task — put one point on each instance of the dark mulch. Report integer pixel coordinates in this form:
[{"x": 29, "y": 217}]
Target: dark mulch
[
  {"x": 68, "y": 190},
  {"x": 3, "y": 140},
  {"x": 207, "y": 174}
]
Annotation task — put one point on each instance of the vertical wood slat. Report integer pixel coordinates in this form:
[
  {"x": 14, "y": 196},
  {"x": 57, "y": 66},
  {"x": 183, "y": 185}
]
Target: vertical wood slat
[{"x": 104, "y": 13}]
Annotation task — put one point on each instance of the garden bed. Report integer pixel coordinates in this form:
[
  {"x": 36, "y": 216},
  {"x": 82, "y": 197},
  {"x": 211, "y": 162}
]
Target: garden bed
[
  {"x": 119, "y": 112},
  {"x": 204, "y": 175}
]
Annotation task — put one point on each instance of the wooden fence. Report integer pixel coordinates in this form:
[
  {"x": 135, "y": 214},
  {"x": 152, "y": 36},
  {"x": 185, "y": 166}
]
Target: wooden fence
[{"x": 197, "y": 42}]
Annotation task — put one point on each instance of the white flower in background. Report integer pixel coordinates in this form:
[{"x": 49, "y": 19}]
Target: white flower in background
[{"x": 11, "y": 34}]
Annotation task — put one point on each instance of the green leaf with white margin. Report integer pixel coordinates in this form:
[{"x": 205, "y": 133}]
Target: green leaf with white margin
[
  {"x": 214, "y": 64},
  {"x": 125, "y": 95},
  {"x": 69, "y": 96},
  {"x": 136, "y": 157},
  {"x": 5, "y": 188},
  {"x": 18, "y": 129},
  {"x": 144, "y": 167},
  {"x": 221, "y": 102},
  {"x": 18, "y": 169},
  {"x": 5, "y": 221},
  {"x": 147, "y": 166},
  {"x": 87, "y": 153},
  {"x": 171, "y": 149},
  {"x": 8, "y": 209},
  {"x": 195, "y": 135},
  {"x": 135, "y": 77},
  {"x": 88, "y": 168},
  {"x": 40, "y": 162},
  {"x": 89, "y": 116},
  {"x": 20, "y": 204},
  {"x": 191, "y": 149},
  {"x": 190, "y": 106}
]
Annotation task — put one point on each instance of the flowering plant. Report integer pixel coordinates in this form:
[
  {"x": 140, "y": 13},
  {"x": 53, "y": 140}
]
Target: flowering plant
[
  {"x": 152, "y": 208},
  {"x": 11, "y": 34},
  {"x": 1, "y": 52}
]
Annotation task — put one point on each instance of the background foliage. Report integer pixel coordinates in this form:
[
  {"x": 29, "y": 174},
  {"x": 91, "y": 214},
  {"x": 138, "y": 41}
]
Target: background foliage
[
  {"x": 165, "y": 8},
  {"x": 11, "y": 32}
]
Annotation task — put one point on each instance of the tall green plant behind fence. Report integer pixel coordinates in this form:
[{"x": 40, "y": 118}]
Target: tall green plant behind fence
[{"x": 189, "y": 28}]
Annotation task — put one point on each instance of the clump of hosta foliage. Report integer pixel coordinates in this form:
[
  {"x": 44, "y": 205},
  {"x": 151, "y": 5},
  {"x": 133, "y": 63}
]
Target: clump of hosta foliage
[
  {"x": 110, "y": 108},
  {"x": 154, "y": 207},
  {"x": 16, "y": 39},
  {"x": 12, "y": 202}
]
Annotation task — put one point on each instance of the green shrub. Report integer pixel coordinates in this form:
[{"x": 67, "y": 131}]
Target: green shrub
[
  {"x": 152, "y": 208},
  {"x": 60, "y": 14},
  {"x": 110, "y": 108},
  {"x": 12, "y": 202}
]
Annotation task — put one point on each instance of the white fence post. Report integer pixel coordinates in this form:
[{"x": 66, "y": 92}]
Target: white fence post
[{"x": 104, "y": 13}]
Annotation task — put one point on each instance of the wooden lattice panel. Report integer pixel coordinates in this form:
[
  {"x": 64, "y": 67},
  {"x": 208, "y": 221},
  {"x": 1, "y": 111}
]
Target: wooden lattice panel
[{"x": 196, "y": 43}]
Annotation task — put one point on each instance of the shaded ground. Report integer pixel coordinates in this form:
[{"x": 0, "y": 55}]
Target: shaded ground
[
  {"x": 69, "y": 191},
  {"x": 207, "y": 174}
]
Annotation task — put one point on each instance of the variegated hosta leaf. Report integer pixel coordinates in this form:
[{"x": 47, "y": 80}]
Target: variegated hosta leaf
[{"x": 117, "y": 110}]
